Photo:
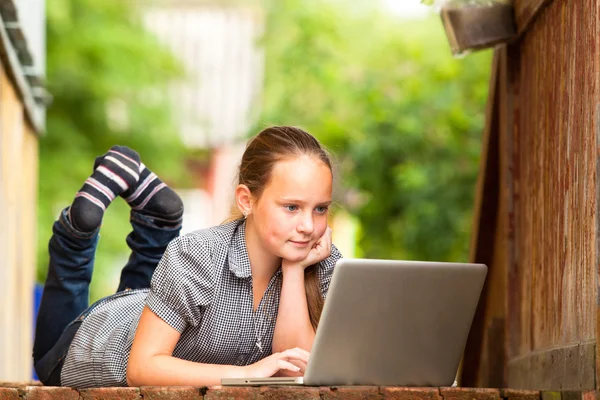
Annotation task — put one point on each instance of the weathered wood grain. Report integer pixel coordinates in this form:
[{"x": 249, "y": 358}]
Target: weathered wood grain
[
  {"x": 526, "y": 12},
  {"x": 558, "y": 92},
  {"x": 546, "y": 228},
  {"x": 564, "y": 368}
]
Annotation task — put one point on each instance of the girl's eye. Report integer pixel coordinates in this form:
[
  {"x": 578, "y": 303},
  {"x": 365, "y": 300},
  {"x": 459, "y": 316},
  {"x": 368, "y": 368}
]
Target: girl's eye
[
  {"x": 291, "y": 208},
  {"x": 322, "y": 210}
]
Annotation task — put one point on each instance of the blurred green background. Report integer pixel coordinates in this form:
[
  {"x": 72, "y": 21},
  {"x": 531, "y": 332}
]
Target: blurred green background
[{"x": 402, "y": 117}]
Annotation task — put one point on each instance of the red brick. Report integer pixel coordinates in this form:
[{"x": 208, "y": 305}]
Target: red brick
[
  {"x": 289, "y": 393},
  {"x": 351, "y": 393},
  {"x": 454, "y": 393},
  {"x": 518, "y": 394},
  {"x": 49, "y": 393},
  {"x": 410, "y": 393},
  {"x": 231, "y": 393},
  {"x": 171, "y": 392},
  {"x": 591, "y": 395},
  {"x": 9, "y": 393},
  {"x": 120, "y": 393},
  {"x": 577, "y": 395}
]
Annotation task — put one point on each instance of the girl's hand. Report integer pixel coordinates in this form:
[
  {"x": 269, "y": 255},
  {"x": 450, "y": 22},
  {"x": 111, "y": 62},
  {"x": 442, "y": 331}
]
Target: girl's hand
[
  {"x": 276, "y": 362},
  {"x": 320, "y": 251}
]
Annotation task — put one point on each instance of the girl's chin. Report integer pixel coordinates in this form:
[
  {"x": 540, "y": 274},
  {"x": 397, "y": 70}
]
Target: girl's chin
[{"x": 294, "y": 256}]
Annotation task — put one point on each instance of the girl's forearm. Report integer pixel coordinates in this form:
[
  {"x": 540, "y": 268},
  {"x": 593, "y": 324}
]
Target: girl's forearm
[
  {"x": 164, "y": 370},
  {"x": 293, "y": 327}
]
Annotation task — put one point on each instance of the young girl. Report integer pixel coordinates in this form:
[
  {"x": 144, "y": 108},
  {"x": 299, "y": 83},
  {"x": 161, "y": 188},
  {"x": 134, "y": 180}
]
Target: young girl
[{"x": 242, "y": 299}]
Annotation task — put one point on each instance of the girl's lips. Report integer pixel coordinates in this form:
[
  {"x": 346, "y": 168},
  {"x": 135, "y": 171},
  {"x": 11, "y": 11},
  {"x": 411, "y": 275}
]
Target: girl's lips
[{"x": 299, "y": 244}]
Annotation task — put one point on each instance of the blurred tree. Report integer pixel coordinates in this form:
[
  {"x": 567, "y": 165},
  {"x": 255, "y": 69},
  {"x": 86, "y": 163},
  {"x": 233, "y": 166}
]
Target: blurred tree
[
  {"x": 403, "y": 117},
  {"x": 108, "y": 78}
]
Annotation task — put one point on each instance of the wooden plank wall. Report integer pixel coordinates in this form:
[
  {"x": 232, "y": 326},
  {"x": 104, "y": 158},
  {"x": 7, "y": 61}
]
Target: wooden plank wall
[
  {"x": 556, "y": 87},
  {"x": 541, "y": 295},
  {"x": 18, "y": 203}
]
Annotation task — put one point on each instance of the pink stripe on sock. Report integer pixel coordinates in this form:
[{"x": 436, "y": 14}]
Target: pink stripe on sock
[
  {"x": 124, "y": 156},
  {"x": 149, "y": 179},
  {"x": 147, "y": 199},
  {"x": 111, "y": 175},
  {"x": 123, "y": 166},
  {"x": 101, "y": 188},
  {"x": 92, "y": 199}
]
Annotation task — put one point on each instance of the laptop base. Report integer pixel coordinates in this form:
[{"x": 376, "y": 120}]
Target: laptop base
[{"x": 278, "y": 381}]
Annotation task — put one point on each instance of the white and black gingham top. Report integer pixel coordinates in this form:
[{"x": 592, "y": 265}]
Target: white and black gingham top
[{"x": 202, "y": 287}]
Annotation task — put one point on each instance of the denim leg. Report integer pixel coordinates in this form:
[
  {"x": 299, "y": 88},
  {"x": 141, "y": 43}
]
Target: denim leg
[
  {"x": 66, "y": 291},
  {"x": 49, "y": 367},
  {"x": 147, "y": 242}
]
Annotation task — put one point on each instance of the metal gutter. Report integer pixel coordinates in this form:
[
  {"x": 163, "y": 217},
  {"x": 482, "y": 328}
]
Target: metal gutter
[{"x": 27, "y": 85}]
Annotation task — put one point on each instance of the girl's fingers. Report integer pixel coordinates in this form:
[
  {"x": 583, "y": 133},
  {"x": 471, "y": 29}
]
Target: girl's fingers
[
  {"x": 306, "y": 353},
  {"x": 326, "y": 241},
  {"x": 325, "y": 238},
  {"x": 300, "y": 364},
  {"x": 282, "y": 364},
  {"x": 296, "y": 354}
]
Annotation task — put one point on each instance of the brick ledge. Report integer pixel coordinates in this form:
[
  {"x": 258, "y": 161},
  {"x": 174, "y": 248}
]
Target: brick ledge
[{"x": 36, "y": 392}]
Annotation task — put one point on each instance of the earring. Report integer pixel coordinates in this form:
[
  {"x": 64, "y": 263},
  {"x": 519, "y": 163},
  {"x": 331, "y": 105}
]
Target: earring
[{"x": 245, "y": 214}]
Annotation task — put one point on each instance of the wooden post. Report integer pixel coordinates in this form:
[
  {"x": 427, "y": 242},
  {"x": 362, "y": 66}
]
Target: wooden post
[
  {"x": 18, "y": 202},
  {"x": 483, "y": 230},
  {"x": 597, "y": 134}
]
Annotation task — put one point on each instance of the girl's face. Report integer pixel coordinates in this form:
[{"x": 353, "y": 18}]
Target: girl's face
[{"x": 291, "y": 214}]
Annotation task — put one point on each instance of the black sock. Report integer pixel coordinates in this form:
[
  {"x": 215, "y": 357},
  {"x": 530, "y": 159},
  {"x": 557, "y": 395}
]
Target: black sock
[
  {"x": 114, "y": 172},
  {"x": 153, "y": 197}
]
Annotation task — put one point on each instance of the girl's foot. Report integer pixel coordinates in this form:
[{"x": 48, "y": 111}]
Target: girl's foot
[
  {"x": 114, "y": 173},
  {"x": 153, "y": 197}
]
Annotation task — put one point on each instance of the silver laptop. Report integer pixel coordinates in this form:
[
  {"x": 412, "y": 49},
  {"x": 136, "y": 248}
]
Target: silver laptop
[{"x": 390, "y": 323}]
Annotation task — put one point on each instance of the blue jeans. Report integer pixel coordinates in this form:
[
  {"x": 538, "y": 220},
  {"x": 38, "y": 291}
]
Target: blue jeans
[{"x": 65, "y": 301}]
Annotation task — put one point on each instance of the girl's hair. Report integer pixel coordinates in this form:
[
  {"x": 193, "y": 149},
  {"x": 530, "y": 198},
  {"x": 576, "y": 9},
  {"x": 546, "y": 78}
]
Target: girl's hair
[{"x": 274, "y": 144}]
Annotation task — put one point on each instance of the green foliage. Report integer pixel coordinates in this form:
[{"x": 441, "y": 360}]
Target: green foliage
[
  {"x": 403, "y": 117},
  {"x": 100, "y": 58}
]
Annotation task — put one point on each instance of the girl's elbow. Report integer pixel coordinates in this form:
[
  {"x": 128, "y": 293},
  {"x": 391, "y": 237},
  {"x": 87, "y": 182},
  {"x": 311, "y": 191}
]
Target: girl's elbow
[
  {"x": 133, "y": 374},
  {"x": 131, "y": 377}
]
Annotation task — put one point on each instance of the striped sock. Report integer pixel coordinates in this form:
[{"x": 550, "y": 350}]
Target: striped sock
[
  {"x": 114, "y": 172},
  {"x": 154, "y": 198}
]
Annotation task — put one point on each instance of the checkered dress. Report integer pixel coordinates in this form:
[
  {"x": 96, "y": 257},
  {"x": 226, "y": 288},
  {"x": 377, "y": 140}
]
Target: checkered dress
[{"x": 202, "y": 287}]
